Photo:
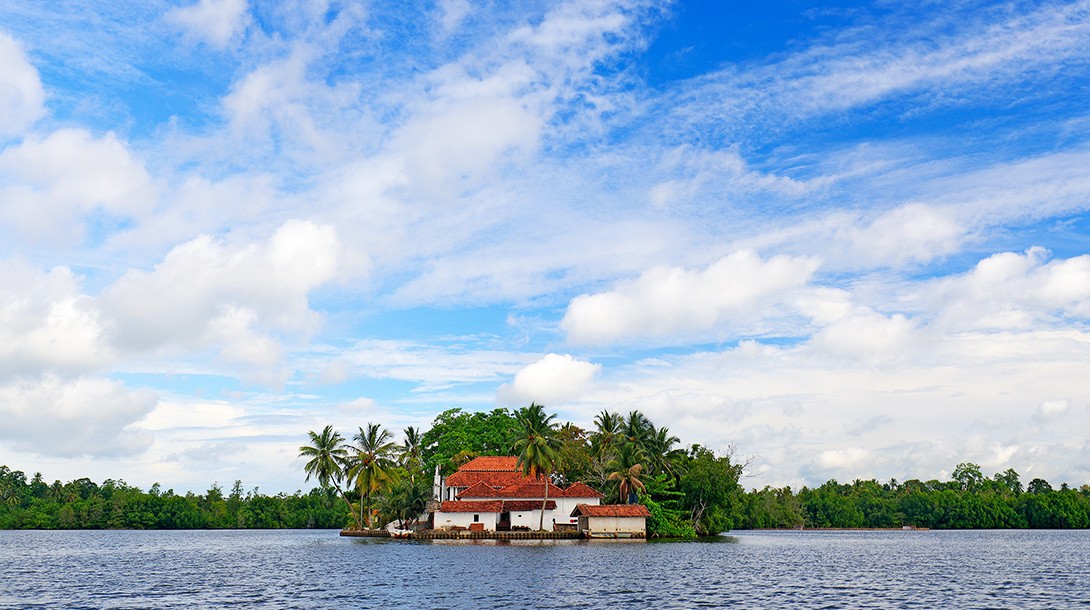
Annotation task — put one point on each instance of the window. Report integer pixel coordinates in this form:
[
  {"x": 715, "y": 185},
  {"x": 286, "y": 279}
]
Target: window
[{"x": 476, "y": 518}]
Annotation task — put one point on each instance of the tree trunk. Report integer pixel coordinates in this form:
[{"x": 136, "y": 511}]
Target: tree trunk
[
  {"x": 541, "y": 523},
  {"x": 352, "y": 512}
]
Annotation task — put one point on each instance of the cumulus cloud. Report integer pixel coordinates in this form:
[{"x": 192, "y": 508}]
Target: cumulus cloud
[
  {"x": 48, "y": 184},
  {"x": 216, "y": 22},
  {"x": 22, "y": 98},
  {"x": 206, "y": 292},
  {"x": 556, "y": 378},
  {"x": 1014, "y": 291},
  {"x": 666, "y": 301},
  {"x": 85, "y": 416},
  {"x": 1052, "y": 409},
  {"x": 47, "y": 323}
]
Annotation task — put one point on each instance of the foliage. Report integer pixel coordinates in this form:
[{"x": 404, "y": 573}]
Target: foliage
[
  {"x": 969, "y": 501},
  {"x": 454, "y": 431},
  {"x": 83, "y": 504},
  {"x": 537, "y": 447}
]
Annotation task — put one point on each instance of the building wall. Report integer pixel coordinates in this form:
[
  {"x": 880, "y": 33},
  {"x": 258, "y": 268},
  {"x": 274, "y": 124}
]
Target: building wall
[
  {"x": 614, "y": 524},
  {"x": 565, "y": 507},
  {"x": 445, "y": 521}
]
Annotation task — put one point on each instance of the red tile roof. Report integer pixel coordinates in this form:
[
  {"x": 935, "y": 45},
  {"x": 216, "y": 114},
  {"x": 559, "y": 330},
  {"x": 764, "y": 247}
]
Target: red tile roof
[
  {"x": 492, "y": 462},
  {"x": 472, "y": 506},
  {"x": 478, "y": 490},
  {"x": 581, "y": 490},
  {"x": 468, "y": 478},
  {"x": 611, "y": 510},
  {"x": 527, "y": 505}
]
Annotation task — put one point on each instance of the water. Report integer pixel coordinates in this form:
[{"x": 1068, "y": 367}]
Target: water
[{"x": 318, "y": 569}]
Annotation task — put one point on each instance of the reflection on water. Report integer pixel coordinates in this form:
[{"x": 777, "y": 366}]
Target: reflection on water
[{"x": 318, "y": 569}]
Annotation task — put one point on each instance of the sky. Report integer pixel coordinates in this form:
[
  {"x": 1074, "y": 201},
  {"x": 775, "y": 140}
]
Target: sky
[{"x": 841, "y": 239}]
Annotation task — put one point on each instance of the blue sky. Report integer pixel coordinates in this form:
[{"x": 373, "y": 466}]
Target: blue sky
[{"x": 845, "y": 239}]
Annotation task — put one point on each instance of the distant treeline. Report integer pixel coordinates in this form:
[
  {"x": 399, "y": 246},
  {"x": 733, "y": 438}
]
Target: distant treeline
[
  {"x": 970, "y": 501},
  {"x": 83, "y": 504}
]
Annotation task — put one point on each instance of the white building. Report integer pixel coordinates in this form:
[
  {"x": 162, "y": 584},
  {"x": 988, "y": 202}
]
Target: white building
[
  {"x": 490, "y": 493},
  {"x": 612, "y": 520}
]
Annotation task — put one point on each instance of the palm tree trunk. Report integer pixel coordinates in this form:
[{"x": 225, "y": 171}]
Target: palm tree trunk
[
  {"x": 541, "y": 523},
  {"x": 353, "y": 513}
]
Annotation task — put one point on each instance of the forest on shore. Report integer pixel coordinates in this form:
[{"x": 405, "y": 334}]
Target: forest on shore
[{"x": 692, "y": 490}]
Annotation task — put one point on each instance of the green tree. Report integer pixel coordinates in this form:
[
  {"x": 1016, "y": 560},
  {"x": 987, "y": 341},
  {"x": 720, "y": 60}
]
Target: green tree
[
  {"x": 455, "y": 432},
  {"x": 537, "y": 447},
  {"x": 406, "y": 500},
  {"x": 328, "y": 456},
  {"x": 710, "y": 485},
  {"x": 372, "y": 465},
  {"x": 626, "y": 470}
]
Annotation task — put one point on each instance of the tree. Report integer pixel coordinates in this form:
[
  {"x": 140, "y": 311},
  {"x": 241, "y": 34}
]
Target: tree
[
  {"x": 537, "y": 447},
  {"x": 710, "y": 485},
  {"x": 372, "y": 466},
  {"x": 406, "y": 500},
  {"x": 606, "y": 435},
  {"x": 626, "y": 468},
  {"x": 968, "y": 476},
  {"x": 411, "y": 452},
  {"x": 454, "y": 432},
  {"x": 327, "y": 455}
]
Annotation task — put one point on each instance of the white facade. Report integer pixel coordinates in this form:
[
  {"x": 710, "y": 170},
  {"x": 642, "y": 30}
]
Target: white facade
[
  {"x": 451, "y": 520},
  {"x": 613, "y": 525}
]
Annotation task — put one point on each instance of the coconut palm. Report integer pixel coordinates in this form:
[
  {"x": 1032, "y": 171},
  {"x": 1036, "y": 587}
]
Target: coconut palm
[
  {"x": 406, "y": 500},
  {"x": 410, "y": 453},
  {"x": 637, "y": 430},
  {"x": 537, "y": 447},
  {"x": 373, "y": 464},
  {"x": 661, "y": 455},
  {"x": 327, "y": 455},
  {"x": 626, "y": 468},
  {"x": 606, "y": 435}
]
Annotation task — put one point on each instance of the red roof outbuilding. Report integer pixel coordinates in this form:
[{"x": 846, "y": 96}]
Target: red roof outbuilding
[{"x": 611, "y": 510}]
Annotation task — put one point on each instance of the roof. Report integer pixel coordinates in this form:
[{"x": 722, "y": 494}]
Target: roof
[
  {"x": 492, "y": 478},
  {"x": 581, "y": 490},
  {"x": 472, "y": 506},
  {"x": 520, "y": 490},
  {"x": 493, "y": 506},
  {"x": 611, "y": 510},
  {"x": 492, "y": 462},
  {"x": 527, "y": 505}
]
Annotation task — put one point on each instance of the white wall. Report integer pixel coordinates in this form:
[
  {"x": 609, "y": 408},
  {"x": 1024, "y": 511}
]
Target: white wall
[
  {"x": 617, "y": 524},
  {"x": 449, "y": 520}
]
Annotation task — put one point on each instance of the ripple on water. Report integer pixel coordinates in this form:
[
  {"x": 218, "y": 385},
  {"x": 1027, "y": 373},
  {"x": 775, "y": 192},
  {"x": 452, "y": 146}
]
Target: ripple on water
[{"x": 317, "y": 569}]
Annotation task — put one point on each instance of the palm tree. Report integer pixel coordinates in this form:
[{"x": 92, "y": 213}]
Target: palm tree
[
  {"x": 406, "y": 500},
  {"x": 537, "y": 447},
  {"x": 327, "y": 455},
  {"x": 637, "y": 430},
  {"x": 411, "y": 456},
  {"x": 627, "y": 469},
  {"x": 372, "y": 466},
  {"x": 661, "y": 455},
  {"x": 608, "y": 432}
]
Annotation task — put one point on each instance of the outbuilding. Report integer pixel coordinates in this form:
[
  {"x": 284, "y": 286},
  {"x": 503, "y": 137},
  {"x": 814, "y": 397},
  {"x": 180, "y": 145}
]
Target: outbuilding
[{"x": 612, "y": 520}]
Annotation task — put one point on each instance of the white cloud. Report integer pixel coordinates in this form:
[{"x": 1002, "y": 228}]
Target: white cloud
[
  {"x": 22, "y": 98},
  {"x": 668, "y": 301},
  {"x": 1052, "y": 409},
  {"x": 216, "y": 22},
  {"x": 236, "y": 297},
  {"x": 85, "y": 416},
  {"x": 48, "y": 184},
  {"x": 1009, "y": 290},
  {"x": 556, "y": 378},
  {"x": 46, "y": 323}
]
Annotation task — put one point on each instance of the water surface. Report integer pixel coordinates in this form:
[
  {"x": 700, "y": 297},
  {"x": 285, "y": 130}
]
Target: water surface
[{"x": 318, "y": 569}]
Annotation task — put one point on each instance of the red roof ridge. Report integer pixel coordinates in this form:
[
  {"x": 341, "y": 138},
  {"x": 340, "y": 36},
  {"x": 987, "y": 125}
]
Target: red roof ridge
[{"x": 579, "y": 489}]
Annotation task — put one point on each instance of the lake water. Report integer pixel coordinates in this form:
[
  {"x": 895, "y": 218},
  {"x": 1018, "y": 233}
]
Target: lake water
[{"x": 318, "y": 569}]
